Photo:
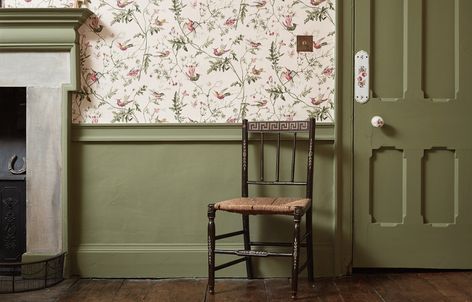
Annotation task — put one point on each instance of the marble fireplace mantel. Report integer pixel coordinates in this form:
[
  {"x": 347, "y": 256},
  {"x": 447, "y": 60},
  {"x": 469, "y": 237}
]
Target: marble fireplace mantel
[{"x": 39, "y": 49}]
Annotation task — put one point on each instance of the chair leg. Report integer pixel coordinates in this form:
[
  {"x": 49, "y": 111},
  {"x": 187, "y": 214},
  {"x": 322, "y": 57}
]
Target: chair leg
[
  {"x": 211, "y": 248},
  {"x": 309, "y": 245},
  {"x": 297, "y": 215},
  {"x": 247, "y": 246}
]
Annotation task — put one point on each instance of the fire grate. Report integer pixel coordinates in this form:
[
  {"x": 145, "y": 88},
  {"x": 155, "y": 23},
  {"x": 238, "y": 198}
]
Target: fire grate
[{"x": 21, "y": 277}]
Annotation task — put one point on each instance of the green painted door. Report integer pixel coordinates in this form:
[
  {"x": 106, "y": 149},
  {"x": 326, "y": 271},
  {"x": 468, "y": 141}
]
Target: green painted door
[{"x": 413, "y": 176}]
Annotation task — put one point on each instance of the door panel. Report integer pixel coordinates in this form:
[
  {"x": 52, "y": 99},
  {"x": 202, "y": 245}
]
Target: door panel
[
  {"x": 413, "y": 176},
  {"x": 386, "y": 50},
  {"x": 386, "y": 195},
  {"x": 438, "y": 55},
  {"x": 438, "y": 186}
]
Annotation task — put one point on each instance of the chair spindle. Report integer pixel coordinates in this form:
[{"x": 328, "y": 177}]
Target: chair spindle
[
  {"x": 262, "y": 158},
  {"x": 277, "y": 166},
  {"x": 294, "y": 151}
]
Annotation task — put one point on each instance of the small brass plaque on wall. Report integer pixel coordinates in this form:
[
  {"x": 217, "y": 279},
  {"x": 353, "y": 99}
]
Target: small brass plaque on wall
[{"x": 305, "y": 43}]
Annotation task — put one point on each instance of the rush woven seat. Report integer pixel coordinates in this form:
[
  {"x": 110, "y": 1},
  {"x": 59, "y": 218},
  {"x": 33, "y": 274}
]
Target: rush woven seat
[
  {"x": 263, "y": 205},
  {"x": 280, "y": 137}
]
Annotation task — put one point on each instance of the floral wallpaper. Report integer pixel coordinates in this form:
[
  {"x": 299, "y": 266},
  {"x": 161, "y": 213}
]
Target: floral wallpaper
[{"x": 204, "y": 61}]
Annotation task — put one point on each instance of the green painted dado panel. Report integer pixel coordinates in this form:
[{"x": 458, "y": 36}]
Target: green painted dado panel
[{"x": 139, "y": 197}]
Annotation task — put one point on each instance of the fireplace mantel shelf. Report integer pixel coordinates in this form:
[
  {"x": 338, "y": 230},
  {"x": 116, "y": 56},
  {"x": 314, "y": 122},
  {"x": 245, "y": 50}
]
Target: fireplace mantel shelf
[
  {"x": 39, "y": 29},
  {"x": 44, "y": 16}
]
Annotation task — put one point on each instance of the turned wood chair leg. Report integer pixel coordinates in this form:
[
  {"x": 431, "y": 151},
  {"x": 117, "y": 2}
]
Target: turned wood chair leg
[
  {"x": 309, "y": 246},
  {"x": 247, "y": 246},
  {"x": 297, "y": 215},
  {"x": 211, "y": 248}
]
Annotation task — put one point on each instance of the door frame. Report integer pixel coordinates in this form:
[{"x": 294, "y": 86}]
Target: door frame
[{"x": 344, "y": 138}]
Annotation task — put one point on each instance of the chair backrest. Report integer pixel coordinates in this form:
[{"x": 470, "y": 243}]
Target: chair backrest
[{"x": 264, "y": 129}]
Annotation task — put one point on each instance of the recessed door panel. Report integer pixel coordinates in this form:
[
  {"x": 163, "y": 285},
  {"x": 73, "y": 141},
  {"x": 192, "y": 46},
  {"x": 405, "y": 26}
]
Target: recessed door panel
[
  {"x": 439, "y": 49},
  {"x": 439, "y": 183},
  {"x": 387, "y": 188},
  {"x": 387, "y": 49}
]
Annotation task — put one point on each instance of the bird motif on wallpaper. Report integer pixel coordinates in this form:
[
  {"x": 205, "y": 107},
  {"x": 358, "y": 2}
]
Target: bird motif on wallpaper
[
  {"x": 157, "y": 95},
  {"x": 192, "y": 73},
  {"x": 95, "y": 25},
  {"x": 159, "y": 22},
  {"x": 318, "y": 44},
  {"x": 316, "y": 2},
  {"x": 230, "y": 22},
  {"x": 254, "y": 45},
  {"x": 255, "y": 71},
  {"x": 220, "y": 51},
  {"x": 328, "y": 71},
  {"x": 261, "y": 103},
  {"x": 221, "y": 94},
  {"x": 91, "y": 77},
  {"x": 288, "y": 74},
  {"x": 191, "y": 25},
  {"x": 259, "y": 4},
  {"x": 123, "y": 102},
  {"x": 123, "y": 3},
  {"x": 163, "y": 54},
  {"x": 288, "y": 23},
  {"x": 133, "y": 72},
  {"x": 318, "y": 99},
  {"x": 125, "y": 45}
]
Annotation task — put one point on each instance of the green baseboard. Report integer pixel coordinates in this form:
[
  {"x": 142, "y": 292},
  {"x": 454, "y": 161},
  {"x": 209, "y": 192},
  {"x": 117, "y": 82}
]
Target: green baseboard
[{"x": 177, "y": 260}]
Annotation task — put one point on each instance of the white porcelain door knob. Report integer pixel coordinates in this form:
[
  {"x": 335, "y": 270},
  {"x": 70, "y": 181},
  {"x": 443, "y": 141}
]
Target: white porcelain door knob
[{"x": 377, "y": 121}]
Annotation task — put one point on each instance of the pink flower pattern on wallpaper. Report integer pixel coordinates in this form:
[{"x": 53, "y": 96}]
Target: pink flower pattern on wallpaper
[{"x": 205, "y": 61}]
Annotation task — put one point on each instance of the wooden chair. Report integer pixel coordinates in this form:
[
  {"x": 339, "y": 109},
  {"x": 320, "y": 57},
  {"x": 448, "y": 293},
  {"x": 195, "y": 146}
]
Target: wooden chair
[{"x": 296, "y": 207}]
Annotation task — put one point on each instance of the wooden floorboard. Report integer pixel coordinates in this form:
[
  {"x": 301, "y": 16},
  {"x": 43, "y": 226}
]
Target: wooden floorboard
[
  {"x": 463, "y": 281},
  {"x": 356, "y": 289},
  {"x": 133, "y": 290},
  {"x": 416, "y": 288},
  {"x": 366, "y": 287},
  {"x": 450, "y": 289},
  {"x": 184, "y": 290},
  {"x": 93, "y": 291},
  {"x": 385, "y": 288},
  {"x": 238, "y": 291}
]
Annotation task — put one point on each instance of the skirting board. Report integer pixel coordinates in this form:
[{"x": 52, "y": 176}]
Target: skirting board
[{"x": 177, "y": 260}]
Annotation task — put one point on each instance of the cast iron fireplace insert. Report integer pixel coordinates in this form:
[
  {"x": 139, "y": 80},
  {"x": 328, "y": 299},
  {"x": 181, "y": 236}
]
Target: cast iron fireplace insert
[{"x": 12, "y": 174}]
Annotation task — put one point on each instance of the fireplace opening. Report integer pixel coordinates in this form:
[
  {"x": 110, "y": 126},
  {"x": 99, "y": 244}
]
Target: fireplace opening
[{"x": 12, "y": 173}]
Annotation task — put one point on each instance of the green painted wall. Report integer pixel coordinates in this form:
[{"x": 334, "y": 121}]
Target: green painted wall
[
  {"x": 137, "y": 194},
  {"x": 138, "y": 199}
]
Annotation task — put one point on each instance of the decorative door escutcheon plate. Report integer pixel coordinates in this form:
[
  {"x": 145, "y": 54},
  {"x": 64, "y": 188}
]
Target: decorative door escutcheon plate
[{"x": 361, "y": 76}]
